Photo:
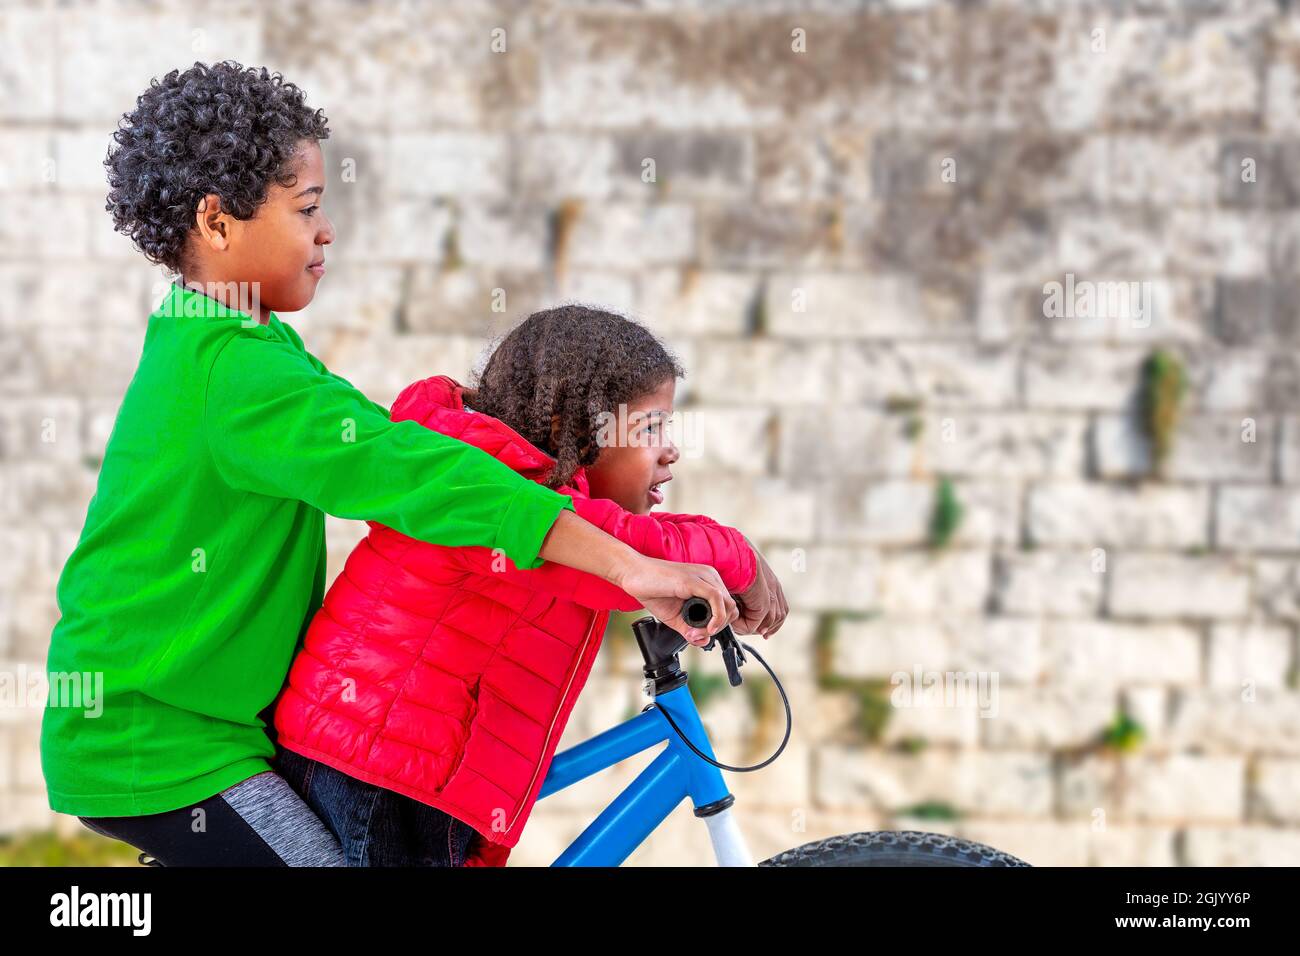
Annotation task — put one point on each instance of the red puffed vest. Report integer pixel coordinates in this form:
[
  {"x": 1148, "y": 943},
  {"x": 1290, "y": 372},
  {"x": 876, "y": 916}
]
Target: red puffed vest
[{"x": 446, "y": 673}]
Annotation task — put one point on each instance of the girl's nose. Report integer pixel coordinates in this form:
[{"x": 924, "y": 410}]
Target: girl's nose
[
  {"x": 671, "y": 454},
  {"x": 327, "y": 233}
]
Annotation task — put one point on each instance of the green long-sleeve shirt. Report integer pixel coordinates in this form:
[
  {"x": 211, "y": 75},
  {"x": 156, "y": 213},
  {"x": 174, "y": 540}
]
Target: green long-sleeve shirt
[{"x": 202, "y": 558}]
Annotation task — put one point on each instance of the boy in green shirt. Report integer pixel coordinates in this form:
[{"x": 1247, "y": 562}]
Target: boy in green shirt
[{"x": 202, "y": 558}]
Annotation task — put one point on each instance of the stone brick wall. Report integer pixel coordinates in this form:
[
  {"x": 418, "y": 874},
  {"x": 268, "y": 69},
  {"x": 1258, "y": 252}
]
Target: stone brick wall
[{"x": 917, "y": 258}]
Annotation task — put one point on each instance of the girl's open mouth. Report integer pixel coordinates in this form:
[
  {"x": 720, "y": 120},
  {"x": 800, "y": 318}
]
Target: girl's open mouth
[
  {"x": 317, "y": 269},
  {"x": 656, "y": 492}
]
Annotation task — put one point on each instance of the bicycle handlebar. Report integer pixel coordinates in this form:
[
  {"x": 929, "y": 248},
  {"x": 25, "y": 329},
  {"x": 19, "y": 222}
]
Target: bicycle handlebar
[{"x": 696, "y": 611}]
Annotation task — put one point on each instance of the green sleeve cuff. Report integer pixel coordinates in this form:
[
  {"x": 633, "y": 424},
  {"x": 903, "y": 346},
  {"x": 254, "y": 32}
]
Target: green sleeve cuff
[{"x": 528, "y": 518}]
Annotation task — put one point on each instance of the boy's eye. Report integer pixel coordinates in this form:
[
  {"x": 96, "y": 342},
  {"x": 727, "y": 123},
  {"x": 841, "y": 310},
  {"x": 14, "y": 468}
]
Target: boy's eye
[{"x": 309, "y": 211}]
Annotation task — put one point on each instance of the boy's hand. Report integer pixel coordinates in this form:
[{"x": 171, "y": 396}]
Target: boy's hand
[
  {"x": 663, "y": 586},
  {"x": 763, "y": 606}
]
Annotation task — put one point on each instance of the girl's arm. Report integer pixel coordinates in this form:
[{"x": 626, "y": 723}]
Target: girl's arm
[
  {"x": 589, "y": 557},
  {"x": 675, "y": 537},
  {"x": 663, "y": 536}
]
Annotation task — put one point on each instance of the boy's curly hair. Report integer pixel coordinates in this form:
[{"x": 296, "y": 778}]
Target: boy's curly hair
[
  {"x": 575, "y": 362},
  {"x": 224, "y": 129}
]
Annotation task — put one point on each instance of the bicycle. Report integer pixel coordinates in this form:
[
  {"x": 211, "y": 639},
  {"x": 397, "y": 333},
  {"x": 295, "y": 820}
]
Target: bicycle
[{"x": 684, "y": 769}]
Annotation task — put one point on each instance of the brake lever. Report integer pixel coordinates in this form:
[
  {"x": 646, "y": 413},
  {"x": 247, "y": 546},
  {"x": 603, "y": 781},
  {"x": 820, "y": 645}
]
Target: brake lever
[
  {"x": 696, "y": 611},
  {"x": 733, "y": 656}
]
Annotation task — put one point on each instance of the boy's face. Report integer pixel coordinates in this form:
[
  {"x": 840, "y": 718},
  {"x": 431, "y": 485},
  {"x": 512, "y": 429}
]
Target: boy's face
[
  {"x": 630, "y": 471},
  {"x": 282, "y": 248}
]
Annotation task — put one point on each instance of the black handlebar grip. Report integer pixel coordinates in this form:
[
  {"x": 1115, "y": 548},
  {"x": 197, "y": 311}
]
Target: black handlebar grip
[{"x": 696, "y": 611}]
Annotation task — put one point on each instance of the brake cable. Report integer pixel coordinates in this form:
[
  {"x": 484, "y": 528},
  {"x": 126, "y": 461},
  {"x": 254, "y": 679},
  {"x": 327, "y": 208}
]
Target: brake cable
[{"x": 734, "y": 658}]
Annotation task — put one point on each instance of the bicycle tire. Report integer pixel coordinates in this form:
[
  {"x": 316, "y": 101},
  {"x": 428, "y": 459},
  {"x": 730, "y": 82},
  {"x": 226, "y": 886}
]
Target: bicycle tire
[{"x": 894, "y": 848}]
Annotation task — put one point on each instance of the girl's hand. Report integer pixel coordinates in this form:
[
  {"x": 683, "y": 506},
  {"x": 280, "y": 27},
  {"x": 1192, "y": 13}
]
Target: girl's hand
[
  {"x": 663, "y": 586},
  {"x": 763, "y": 606}
]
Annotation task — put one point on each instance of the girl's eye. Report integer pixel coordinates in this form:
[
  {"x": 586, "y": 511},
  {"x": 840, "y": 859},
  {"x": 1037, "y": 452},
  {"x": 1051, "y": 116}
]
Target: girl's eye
[{"x": 309, "y": 211}]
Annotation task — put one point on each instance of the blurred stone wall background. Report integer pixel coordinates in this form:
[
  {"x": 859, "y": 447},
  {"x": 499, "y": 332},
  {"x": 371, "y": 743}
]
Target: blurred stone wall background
[{"x": 856, "y": 214}]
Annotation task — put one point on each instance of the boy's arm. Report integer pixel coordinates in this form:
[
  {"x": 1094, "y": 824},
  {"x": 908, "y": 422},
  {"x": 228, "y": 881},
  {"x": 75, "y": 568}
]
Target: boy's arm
[
  {"x": 277, "y": 425},
  {"x": 319, "y": 366}
]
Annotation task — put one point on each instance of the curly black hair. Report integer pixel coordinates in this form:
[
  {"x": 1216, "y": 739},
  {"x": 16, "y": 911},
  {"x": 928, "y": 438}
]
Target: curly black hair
[
  {"x": 224, "y": 129},
  {"x": 576, "y": 362}
]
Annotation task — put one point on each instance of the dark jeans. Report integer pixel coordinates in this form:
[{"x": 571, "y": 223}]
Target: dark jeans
[{"x": 376, "y": 826}]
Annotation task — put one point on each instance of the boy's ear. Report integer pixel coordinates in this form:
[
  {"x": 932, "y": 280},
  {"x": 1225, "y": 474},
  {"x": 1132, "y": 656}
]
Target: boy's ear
[{"x": 213, "y": 224}]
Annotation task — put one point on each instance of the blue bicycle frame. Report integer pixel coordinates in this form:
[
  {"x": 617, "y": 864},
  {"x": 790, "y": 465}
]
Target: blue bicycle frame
[{"x": 673, "y": 775}]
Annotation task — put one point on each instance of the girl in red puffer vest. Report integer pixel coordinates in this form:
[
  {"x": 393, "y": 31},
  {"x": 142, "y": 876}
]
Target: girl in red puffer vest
[{"x": 433, "y": 685}]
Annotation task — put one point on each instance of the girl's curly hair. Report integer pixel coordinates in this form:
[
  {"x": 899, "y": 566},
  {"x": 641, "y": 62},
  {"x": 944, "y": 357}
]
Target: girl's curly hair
[
  {"x": 575, "y": 362},
  {"x": 224, "y": 129}
]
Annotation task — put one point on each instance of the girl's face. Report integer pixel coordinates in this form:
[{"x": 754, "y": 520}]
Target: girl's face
[
  {"x": 630, "y": 470},
  {"x": 282, "y": 248}
]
